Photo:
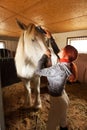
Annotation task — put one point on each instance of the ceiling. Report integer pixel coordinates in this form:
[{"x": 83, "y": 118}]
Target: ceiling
[{"x": 57, "y": 16}]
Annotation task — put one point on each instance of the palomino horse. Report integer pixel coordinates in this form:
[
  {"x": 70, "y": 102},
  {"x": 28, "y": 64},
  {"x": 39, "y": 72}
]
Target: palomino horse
[{"x": 31, "y": 46}]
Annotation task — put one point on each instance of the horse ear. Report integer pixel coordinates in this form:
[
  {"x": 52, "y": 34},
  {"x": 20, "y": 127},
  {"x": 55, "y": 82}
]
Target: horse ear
[{"x": 21, "y": 25}]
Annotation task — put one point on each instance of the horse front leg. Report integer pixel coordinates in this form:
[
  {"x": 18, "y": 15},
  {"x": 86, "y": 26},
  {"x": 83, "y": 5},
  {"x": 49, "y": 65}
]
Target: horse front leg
[
  {"x": 36, "y": 84},
  {"x": 28, "y": 100}
]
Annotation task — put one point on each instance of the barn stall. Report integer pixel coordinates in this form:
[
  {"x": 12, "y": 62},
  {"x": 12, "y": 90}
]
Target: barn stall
[{"x": 69, "y": 22}]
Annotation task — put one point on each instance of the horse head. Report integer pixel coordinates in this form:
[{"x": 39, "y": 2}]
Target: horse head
[{"x": 34, "y": 40}]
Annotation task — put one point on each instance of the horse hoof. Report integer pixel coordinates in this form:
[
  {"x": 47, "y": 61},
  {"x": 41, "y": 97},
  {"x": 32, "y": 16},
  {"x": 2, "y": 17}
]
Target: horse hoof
[{"x": 38, "y": 107}]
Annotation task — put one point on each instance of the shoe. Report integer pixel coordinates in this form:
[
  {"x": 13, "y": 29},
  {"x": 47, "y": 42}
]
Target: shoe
[{"x": 63, "y": 128}]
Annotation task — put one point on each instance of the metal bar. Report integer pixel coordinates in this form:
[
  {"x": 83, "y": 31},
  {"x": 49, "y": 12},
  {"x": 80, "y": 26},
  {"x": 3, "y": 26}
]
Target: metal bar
[{"x": 2, "y": 123}]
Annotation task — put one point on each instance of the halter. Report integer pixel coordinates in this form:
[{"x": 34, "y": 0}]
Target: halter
[{"x": 38, "y": 28}]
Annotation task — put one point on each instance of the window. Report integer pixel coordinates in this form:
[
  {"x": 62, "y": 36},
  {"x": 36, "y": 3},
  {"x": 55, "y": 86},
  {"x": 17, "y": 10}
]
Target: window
[
  {"x": 2, "y": 45},
  {"x": 80, "y": 43}
]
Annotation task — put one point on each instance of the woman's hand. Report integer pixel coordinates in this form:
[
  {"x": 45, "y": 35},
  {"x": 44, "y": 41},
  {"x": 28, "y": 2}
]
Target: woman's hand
[
  {"x": 48, "y": 53},
  {"x": 71, "y": 78},
  {"x": 48, "y": 34}
]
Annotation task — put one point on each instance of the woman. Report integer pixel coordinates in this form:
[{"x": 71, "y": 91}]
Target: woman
[{"x": 57, "y": 76}]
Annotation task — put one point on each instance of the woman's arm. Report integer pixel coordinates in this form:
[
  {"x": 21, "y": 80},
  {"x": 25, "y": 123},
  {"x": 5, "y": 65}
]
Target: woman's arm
[
  {"x": 41, "y": 70},
  {"x": 52, "y": 42},
  {"x": 47, "y": 72}
]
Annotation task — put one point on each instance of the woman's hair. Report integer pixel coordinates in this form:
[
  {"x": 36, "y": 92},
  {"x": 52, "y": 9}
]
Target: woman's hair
[
  {"x": 74, "y": 71},
  {"x": 71, "y": 52}
]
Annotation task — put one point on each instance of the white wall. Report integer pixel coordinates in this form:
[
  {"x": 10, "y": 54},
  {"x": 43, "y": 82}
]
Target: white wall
[
  {"x": 10, "y": 42},
  {"x": 61, "y": 40},
  {"x": 11, "y": 45}
]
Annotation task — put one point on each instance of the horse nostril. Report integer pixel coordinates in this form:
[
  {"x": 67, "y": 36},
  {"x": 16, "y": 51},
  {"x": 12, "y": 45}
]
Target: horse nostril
[{"x": 33, "y": 40}]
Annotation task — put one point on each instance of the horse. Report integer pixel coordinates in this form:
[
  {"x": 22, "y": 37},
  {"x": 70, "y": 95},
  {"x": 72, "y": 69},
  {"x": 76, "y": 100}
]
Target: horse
[{"x": 31, "y": 46}]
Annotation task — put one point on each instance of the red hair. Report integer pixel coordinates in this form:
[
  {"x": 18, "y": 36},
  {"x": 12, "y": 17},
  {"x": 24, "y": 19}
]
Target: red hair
[
  {"x": 71, "y": 52},
  {"x": 74, "y": 71}
]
